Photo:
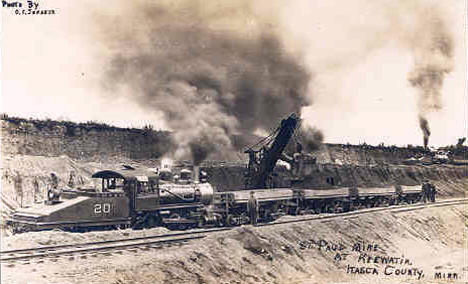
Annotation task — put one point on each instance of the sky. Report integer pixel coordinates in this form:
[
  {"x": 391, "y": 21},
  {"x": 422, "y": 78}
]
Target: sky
[{"x": 359, "y": 53}]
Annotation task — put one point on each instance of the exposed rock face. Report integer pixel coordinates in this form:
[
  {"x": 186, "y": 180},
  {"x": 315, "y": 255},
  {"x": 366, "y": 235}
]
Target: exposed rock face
[
  {"x": 89, "y": 142},
  {"x": 99, "y": 142}
]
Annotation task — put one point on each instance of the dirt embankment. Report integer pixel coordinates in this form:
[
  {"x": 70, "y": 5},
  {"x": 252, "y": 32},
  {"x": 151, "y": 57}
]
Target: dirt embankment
[{"x": 421, "y": 246}]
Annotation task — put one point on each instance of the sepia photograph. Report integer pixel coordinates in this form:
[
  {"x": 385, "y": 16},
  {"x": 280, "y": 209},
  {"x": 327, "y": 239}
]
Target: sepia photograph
[{"x": 234, "y": 141}]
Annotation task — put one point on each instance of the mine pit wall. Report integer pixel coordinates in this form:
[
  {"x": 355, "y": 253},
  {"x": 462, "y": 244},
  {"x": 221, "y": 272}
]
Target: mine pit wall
[
  {"x": 100, "y": 142},
  {"x": 82, "y": 142}
]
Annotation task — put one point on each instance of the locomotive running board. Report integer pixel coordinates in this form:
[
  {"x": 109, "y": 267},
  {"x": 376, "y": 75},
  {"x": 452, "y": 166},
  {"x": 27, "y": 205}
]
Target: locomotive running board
[{"x": 75, "y": 223}]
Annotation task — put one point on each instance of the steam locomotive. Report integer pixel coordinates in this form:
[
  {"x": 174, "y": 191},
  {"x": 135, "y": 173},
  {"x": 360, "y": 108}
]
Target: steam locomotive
[{"x": 141, "y": 198}]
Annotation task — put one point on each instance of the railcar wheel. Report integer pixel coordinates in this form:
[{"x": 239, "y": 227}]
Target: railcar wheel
[
  {"x": 182, "y": 227},
  {"x": 297, "y": 211},
  {"x": 338, "y": 208},
  {"x": 328, "y": 208},
  {"x": 317, "y": 209},
  {"x": 360, "y": 205},
  {"x": 121, "y": 227},
  {"x": 201, "y": 223},
  {"x": 230, "y": 221}
]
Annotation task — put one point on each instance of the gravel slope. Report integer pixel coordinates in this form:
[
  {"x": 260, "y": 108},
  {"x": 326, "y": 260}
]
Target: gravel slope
[{"x": 429, "y": 241}]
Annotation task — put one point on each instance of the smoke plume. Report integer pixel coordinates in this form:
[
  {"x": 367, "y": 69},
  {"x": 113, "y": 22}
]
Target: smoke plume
[
  {"x": 311, "y": 138},
  {"x": 433, "y": 61},
  {"x": 359, "y": 50},
  {"x": 210, "y": 83}
]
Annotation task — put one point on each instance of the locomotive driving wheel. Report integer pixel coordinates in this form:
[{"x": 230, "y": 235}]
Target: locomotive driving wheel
[
  {"x": 175, "y": 226},
  {"x": 153, "y": 221},
  {"x": 230, "y": 220}
]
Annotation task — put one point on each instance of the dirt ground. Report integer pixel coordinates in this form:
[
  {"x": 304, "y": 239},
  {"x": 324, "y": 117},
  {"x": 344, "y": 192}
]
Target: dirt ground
[{"x": 425, "y": 242}]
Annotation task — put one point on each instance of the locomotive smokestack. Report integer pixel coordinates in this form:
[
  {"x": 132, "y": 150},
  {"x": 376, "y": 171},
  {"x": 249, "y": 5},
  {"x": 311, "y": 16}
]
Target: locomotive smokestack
[{"x": 196, "y": 174}]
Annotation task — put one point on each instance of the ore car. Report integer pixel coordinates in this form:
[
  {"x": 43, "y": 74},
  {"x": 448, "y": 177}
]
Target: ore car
[
  {"x": 375, "y": 196},
  {"x": 273, "y": 203},
  {"x": 409, "y": 194},
  {"x": 323, "y": 200}
]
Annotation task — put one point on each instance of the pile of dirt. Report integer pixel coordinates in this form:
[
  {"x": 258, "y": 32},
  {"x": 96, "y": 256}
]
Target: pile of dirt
[{"x": 370, "y": 248}]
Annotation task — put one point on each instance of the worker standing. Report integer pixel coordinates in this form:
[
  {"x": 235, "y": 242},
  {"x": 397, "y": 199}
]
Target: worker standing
[
  {"x": 433, "y": 192},
  {"x": 252, "y": 208},
  {"x": 71, "y": 180},
  {"x": 53, "y": 183},
  {"x": 426, "y": 189},
  {"x": 53, "y": 192},
  {"x": 37, "y": 191}
]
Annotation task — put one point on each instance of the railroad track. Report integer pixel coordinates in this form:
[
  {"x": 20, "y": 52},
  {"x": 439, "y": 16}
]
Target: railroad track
[
  {"x": 152, "y": 242},
  {"x": 354, "y": 214},
  {"x": 105, "y": 246}
]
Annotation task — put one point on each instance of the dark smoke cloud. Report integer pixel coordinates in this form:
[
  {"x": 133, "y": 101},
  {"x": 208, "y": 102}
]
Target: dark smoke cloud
[
  {"x": 434, "y": 56},
  {"x": 200, "y": 148},
  {"x": 210, "y": 84},
  {"x": 311, "y": 138}
]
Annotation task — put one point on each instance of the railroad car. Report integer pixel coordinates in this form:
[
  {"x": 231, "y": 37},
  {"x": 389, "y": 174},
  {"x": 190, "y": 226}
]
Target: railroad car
[
  {"x": 409, "y": 194},
  {"x": 375, "y": 196},
  {"x": 231, "y": 206},
  {"x": 323, "y": 200}
]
